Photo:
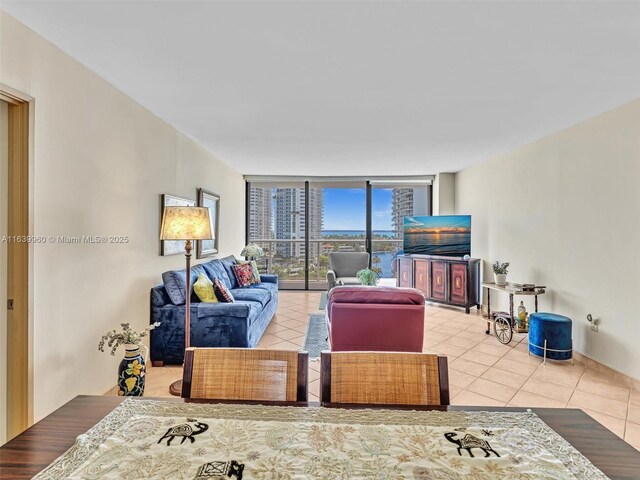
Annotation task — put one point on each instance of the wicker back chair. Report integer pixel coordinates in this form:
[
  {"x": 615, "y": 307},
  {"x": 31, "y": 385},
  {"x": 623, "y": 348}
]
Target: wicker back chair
[
  {"x": 385, "y": 378},
  {"x": 245, "y": 374}
]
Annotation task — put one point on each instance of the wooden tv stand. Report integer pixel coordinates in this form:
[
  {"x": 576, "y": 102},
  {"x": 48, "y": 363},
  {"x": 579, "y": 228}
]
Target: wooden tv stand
[{"x": 449, "y": 280}]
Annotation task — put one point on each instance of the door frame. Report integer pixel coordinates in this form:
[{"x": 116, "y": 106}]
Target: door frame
[{"x": 19, "y": 266}]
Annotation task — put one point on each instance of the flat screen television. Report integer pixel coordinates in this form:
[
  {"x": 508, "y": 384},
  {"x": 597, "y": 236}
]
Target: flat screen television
[{"x": 446, "y": 235}]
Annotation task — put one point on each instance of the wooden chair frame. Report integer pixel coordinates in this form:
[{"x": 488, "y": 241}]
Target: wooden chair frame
[
  {"x": 301, "y": 379},
  {"x": 325, "y": 381}
]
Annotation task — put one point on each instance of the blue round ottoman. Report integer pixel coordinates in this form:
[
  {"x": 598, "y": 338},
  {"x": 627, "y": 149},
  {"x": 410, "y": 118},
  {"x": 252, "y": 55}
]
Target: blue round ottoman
[{"x": 550, "y": 336}]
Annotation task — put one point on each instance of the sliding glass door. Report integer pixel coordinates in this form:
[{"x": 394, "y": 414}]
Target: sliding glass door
[
  {"x": 300, "y": 223},
  {"x": 390, "y": 204}
]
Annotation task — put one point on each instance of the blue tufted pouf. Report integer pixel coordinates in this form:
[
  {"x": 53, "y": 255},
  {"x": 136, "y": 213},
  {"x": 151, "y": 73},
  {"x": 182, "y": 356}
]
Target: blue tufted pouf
[{"x": 556, "y": 330}]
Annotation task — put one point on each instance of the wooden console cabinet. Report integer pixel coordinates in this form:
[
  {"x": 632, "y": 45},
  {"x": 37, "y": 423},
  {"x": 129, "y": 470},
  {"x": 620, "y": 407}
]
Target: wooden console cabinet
[{"x": 448, "y": 280}]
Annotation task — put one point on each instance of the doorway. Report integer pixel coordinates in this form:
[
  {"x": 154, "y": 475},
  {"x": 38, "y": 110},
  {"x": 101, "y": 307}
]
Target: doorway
[{"x": 16, "y": 403}]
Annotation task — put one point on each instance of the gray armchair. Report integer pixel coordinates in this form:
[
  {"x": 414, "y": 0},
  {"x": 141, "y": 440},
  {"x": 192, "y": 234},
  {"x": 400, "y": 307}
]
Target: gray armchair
[{"x": 343, "y": 267}]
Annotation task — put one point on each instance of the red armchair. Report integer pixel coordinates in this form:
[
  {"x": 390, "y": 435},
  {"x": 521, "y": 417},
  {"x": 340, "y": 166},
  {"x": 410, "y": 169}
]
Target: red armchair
[{"x": 387, "y": 319}]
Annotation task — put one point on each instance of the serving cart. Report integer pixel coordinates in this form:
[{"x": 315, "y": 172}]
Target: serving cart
[{"x": 504, "y": 324}]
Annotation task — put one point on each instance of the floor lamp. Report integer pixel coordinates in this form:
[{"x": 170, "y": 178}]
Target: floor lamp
[{"x": 188, "y": 224}]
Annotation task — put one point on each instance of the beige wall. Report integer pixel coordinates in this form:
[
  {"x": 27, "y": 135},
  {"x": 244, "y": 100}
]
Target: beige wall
[
  {"x": 101, "y": 162},
  {"x": 444, "y": 194},
  {"x": 565, "y": 211}
]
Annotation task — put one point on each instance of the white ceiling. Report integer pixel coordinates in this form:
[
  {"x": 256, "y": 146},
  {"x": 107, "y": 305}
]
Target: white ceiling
[{"x": 356, "y": 88}]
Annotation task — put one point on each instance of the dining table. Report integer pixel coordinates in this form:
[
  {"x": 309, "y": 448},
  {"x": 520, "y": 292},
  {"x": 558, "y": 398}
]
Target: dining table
[{"x": 36, "y": 448}]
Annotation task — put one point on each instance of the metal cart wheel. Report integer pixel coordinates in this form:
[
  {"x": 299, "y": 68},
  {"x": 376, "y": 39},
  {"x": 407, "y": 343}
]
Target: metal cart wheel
[{"x": 502, "y": 330}]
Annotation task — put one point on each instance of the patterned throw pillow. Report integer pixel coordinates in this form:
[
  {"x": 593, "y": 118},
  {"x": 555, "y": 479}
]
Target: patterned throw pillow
[
  {"x": 223, "y": 294},
  {"x": 244, "y": 274},
  {"x": 204, "y": 289},
  {"x": 256, "y": 272}
]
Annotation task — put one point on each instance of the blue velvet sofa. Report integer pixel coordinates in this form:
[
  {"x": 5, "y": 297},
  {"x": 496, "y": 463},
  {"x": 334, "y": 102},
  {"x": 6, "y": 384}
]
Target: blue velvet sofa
[{"x": 239, "y": 324}]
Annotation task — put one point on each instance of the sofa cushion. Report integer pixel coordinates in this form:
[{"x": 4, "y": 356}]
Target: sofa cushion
[
  {"x": 228, "y": 263},
  {"x": 175, "y": 282},
  {"x": 204, "y": 289},
  {"x": 215, "y": 269},
  {"x": 389, "y": 295},
  {"x": 222, "y": 292},
  {"x": 244, "y": 274},
  {"x": 271, "y": 287},
  {"x": 348, "y": 280},
  {"x": 261, "y": 295},
  {"x": 238, "y": 310}
]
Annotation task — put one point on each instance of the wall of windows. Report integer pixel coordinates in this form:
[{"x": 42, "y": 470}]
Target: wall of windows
[{"x": 300, "y": 223}]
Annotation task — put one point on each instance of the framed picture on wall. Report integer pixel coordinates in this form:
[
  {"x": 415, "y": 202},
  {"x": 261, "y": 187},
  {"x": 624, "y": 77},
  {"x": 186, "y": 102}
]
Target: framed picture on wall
[
  {"x": 172, "y": 247},
  {"x": 209, "y": 248}
]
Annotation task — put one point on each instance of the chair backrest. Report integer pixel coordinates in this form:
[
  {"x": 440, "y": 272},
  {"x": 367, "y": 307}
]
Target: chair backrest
[
  {"x": 347, "y": 264},
  {"x": 245, "y": 374},
  {"x": 389, "y": 378}
]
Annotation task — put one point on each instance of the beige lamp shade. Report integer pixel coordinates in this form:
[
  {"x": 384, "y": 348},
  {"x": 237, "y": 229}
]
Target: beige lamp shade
[{"x": 186, "y": 223}]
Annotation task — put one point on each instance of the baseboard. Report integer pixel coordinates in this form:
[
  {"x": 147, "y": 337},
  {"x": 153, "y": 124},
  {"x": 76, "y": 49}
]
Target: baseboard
[{"x": 610, "y": 372}]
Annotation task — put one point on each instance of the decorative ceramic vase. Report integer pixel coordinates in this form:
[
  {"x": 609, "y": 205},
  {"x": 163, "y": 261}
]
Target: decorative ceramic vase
[
  {"x": 501, "y": 278},
  {"x": 131, "y": 372}
]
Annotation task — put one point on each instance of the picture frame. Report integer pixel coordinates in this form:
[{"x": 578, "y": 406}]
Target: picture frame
[
  {"x": 172, "y": 247},
  {"x": 211, "y": 200}
]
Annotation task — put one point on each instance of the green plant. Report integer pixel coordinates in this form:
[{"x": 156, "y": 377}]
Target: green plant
[
  {"x": 500, "y": 268},
  {"x": 127, "y": 336},
  {"x": 367, "y": 277}
]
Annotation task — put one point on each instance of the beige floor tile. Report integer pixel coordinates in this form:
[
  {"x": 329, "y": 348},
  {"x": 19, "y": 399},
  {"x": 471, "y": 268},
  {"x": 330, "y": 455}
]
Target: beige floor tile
[
  {"x": 287, "y": 334},
  {"x": 591, "y": 401},
  {"x": 549, "y": 390},
  {"x": 633, "y": 415},
  {"x": 445, "y": 348},
  {"x": 515, "y": 367},
  {"x": 531, "y": 400},
  {"x": 510, "y": 379},
  {"x": 493, "y": 390},
  {"x": 285, "y": 345},
  {"x": 465, "y": 366},
  {"x": 314, "y": 388},
  {"x": 473, "y": 399},
  {"x": 267, "y": 340},
  {"x": 498, "y": 351},
  {"x": 565, "y": 377},
  {"x": 467, "y": 343},
  {"x": 632, "y": 434},
  {"x": 460, "y": 379},
  {"x": 521, "y": 357},
  {"x": 635, "y": 396},
  {"x": 614, "y": 424},
  {"x": 598, "y": 386},
  {"x": 480, "y": 357}
]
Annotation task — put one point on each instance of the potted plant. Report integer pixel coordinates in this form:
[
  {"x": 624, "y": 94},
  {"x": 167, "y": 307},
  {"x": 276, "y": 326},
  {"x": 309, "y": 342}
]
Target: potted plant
[
  {"x": 131, "y": 370},
  {"x": 500, "y": 272},
  {"x": 367, "y": 277}
]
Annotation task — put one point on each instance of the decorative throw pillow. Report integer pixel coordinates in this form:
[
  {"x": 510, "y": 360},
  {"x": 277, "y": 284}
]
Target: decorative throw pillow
[
  {"x": 256, "y": 272},
  {"x": 204, "y": 289},
  {"x": 244, "y": 274},
  {"x": 223, "y": 294}
]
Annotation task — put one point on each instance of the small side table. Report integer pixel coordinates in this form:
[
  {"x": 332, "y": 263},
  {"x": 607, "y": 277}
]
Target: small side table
[{"x": 512, "y": 289}]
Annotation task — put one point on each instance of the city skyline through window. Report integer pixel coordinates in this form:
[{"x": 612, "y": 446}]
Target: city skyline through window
[{"x": 337, "y": 223}]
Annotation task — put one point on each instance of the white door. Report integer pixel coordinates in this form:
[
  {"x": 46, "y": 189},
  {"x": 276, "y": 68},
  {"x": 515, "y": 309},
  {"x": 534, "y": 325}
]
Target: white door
[{"x": 4, "y": 200}]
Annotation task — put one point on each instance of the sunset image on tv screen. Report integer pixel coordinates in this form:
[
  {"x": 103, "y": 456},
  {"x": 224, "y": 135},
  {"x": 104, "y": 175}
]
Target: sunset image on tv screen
[{"x": 447, "y": 235}]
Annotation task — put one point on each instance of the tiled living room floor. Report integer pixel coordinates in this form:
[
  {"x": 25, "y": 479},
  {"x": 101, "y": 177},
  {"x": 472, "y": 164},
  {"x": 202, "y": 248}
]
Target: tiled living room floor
[{"x": 481, "y": 370}]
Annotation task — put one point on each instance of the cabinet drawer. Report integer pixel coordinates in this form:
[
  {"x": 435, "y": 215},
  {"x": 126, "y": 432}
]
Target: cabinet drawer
[
  {"x": 421, "y": 276},
  {"x": 439, "y": 280},
  {"x": 405, "y": 267},
  {"x": 458, "y": 287}
]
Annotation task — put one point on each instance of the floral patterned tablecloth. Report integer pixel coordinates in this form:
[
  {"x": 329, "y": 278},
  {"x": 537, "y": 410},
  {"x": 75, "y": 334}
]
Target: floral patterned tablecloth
[{"x": 169, "y": 440}]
